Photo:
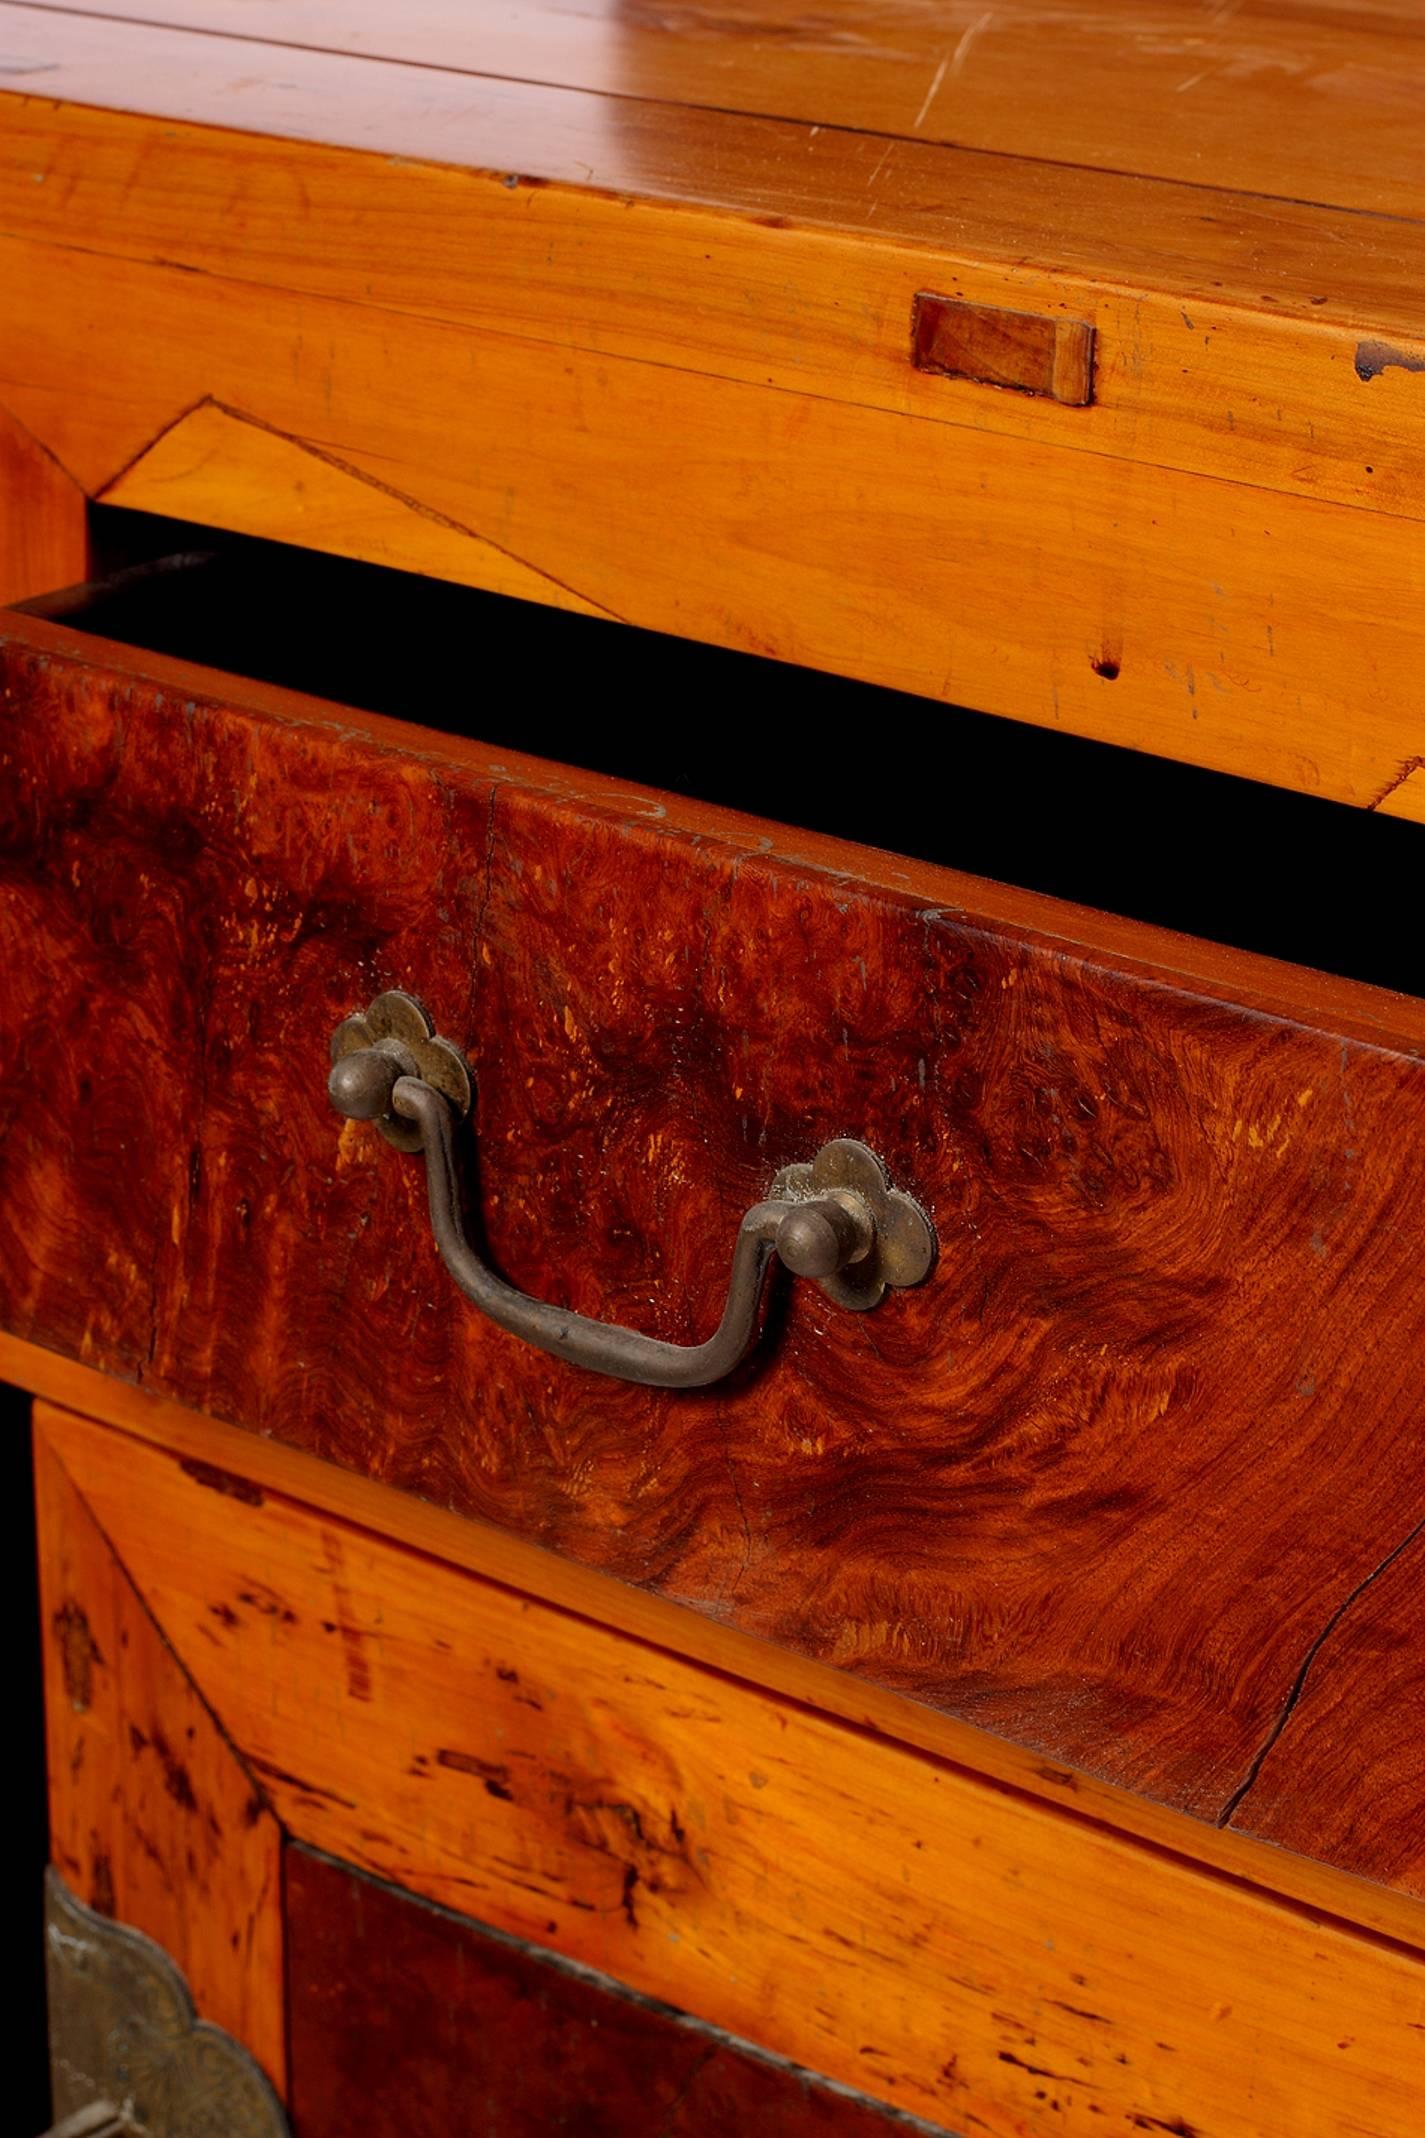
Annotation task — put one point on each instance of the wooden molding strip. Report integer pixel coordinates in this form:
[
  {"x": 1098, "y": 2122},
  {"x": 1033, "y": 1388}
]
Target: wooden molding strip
[{"x": 219, "y": 1453}]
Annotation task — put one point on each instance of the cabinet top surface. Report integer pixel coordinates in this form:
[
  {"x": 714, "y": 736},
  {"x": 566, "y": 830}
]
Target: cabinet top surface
[{"x": 1269, "y": 151}]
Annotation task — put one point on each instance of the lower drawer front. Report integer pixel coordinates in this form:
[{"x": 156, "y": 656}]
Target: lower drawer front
[
  {"x": 245, "y": 1665},
  {"x": 1115, "y": 1482}
]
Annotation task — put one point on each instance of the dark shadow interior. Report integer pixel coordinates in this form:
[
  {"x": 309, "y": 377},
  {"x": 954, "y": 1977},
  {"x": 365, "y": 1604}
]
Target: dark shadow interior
[{"x": 1316, "y": 882}]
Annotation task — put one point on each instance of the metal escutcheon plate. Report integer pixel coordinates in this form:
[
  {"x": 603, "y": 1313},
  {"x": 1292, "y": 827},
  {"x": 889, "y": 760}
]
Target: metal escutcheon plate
[
  {"x": 903, "y": 1252},
  {"x": 397, "y": 1015}
]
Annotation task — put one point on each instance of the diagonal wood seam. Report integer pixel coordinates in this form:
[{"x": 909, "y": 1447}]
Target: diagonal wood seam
[
  {"x": 56, "y": 1454},
  {"x": 329, "y": 459},
  {"x": 559, "y": 1963},
  {"x": 41, "y": 445},
  {"x": 944, "y": 420}
]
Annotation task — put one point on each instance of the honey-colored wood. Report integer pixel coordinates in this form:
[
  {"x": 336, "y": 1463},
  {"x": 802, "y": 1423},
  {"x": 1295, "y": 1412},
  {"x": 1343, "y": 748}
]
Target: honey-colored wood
[
  {"x": 153, "y": 1817},
  {"x": 753, "y": 277},
  {"x": 941, "y": 1944},
  {"x": 43, "y": 535},
  {"x": 1308, "y": 99},
  {"x": 1290, "y": 649},
  {"x": 1228, "y": 328},
  {"x": 208, "y": 1447}
]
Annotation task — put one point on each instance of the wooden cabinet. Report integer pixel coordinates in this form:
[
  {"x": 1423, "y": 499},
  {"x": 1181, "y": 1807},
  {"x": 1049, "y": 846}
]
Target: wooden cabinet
[{"x": 503, "y": 518}]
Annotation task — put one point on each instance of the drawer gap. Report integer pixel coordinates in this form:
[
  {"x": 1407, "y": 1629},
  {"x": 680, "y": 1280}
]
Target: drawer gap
[{"x": 1316, "y": 882}]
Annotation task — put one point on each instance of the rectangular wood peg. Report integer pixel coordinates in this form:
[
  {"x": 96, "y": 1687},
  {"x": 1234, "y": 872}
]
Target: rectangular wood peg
[{"x": 1023, "y": 351}]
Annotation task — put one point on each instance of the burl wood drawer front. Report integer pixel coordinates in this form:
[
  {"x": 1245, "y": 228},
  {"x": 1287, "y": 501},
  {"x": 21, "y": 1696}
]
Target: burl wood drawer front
[{"x": 1115, "y": 1482}]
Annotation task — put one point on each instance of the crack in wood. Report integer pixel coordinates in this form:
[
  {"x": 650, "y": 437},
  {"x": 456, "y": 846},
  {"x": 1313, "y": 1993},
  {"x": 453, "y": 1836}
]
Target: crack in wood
[{"x": 1298, "y": 1684}]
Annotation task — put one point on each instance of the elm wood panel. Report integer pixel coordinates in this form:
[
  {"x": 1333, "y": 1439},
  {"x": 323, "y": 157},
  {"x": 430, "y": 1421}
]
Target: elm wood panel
[
  {"x": 1269, "y": 635},
  {"x": 1309, "y": 101},
  {"x": 1098, "y": 1487},
  {"x": 974, "y": 1957},
  {"x": 153, "y": 1818},
  {"x": 407, "y": 2018},
  {"x": 43, "y": 535},
  {"x": 225, "y": 1458},
  {"x": 1196, "y": 368}
]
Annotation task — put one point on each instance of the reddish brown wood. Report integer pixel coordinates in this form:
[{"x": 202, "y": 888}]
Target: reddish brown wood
[
  {"x": 1099, "y": 1487},
  {"x": 404, "y": 2018},
  {"x": 994, "y": 347}
]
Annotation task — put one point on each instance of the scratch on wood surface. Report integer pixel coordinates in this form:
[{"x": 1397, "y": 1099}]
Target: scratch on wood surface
[
  {"x": 969, "y": 36},
  {"x": 932, "y": 92}
]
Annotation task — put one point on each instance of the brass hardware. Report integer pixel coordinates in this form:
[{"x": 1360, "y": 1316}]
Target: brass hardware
[
  {"x": 836, "y": 1220},
  {"x": 393, "y": 1038},
  {"x": 127, "y": 2053}
]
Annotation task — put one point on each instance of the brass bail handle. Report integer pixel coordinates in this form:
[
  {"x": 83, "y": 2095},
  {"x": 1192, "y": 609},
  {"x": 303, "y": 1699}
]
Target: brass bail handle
[{"x": 835, "y": 1220}]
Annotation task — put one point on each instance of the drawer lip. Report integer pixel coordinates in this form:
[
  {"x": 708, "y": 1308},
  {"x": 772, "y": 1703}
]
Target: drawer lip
[{"x": 1188, "y": 965}]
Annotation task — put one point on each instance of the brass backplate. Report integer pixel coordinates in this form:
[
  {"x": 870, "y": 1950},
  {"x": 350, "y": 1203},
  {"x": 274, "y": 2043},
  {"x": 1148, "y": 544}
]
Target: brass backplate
[{"x": 124, "y": 2037}]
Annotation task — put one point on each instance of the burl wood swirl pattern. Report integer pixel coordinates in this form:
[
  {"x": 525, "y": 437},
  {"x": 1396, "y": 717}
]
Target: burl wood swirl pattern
[{"x": 1115, "y": 1483}]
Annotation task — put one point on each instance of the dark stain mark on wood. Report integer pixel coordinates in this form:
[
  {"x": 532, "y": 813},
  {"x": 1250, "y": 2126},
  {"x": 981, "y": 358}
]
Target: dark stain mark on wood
[
  {"x": 79, "y": 1654},
  {"x": 1177, "y": 2126},
  {"x": 1106, "y": 666},
  {"x": 1374, "y": 357},
  {"x": 495, "y": 1778},
  {"x": 1038, "y": 2071},
  {"x": 1022, "y": 352},
  {"x": 216, "y": 1480},
  {"x": 175, "y": 1774},
  {"x": 267, "y": 1603},
  {"x": 101, "y": 1885}
]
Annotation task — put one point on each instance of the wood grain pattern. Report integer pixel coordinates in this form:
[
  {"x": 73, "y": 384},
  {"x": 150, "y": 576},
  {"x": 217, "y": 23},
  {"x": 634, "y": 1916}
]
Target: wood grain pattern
[
  {"x": 208, "y": 1449},
  {"x": 43, "y": 537},
  {"x": 360, "y": 336},
  {"x": 406, "y": 2018},
  {"x": 1099, "y": 1487},
  {"x": 1023, "y": 351},
  {"x": 1228, "y": 327},
  {"x": 153, "y": 1818},
  {"x": 1236, "y": 644},
  {"x": 1307, "y": 98},
  {"x": 938, "y": 1943}
]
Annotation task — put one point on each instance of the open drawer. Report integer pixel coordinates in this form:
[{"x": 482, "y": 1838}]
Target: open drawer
[{"x": 1132, "y": 1477}]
